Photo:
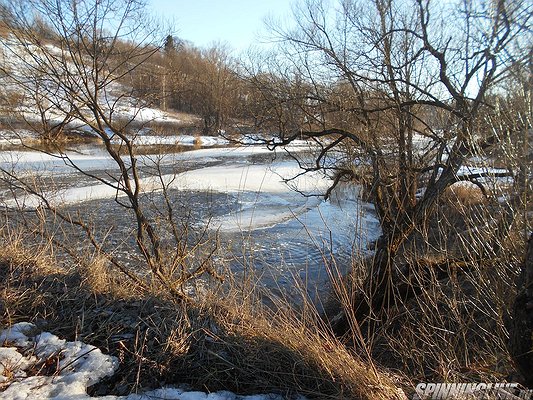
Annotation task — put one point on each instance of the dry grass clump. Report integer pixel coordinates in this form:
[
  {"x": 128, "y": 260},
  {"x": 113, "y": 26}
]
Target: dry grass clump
[
  {"x": 254, "y": 347},
  {"x": 464, "y": 194},
  {"x": 98, "y": 277},
  {"x": 15, "y": 255},
  {"x": 23, "y": 271}
]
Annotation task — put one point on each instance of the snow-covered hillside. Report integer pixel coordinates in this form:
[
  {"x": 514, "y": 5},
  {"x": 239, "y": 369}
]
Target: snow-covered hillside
[{"x": 38, "y": 88}]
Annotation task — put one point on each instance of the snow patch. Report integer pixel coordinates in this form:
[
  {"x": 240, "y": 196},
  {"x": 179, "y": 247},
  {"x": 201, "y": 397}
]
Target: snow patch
[
  {"x": 183, "y": 140},
  {"x": 76, "y": 366}
]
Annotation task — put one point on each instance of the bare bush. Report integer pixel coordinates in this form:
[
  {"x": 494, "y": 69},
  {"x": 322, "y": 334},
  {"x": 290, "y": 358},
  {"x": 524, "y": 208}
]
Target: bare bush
[{"x": 74, "y": 83}]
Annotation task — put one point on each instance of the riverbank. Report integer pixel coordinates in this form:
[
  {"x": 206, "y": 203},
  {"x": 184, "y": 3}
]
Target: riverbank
[{"x": 227, "y": 341}]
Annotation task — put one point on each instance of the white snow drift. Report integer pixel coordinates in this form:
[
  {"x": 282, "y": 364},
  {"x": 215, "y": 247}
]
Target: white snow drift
[{"x": 79, "y": 366}]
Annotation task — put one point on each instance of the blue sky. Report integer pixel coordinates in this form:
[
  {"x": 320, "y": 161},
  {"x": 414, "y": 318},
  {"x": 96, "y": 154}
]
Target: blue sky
[{"x": 204, "y": 22}]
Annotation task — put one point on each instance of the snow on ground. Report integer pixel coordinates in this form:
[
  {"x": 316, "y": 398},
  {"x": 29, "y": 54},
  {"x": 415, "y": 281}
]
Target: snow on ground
[
  {"x": 143, "y": 114},
  {"x": 9, "y": 137},
  {"x": 469, "y": 170},
  {"x": 41, "y": 366},
  {"x": 76, "y": 365},
  {"x": 23, "y": 60},
  {"x": 183, "y": 140}
]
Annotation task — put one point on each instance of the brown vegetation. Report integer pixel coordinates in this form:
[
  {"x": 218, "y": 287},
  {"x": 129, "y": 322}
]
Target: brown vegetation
[
  {"x": 464, "y": 194},
  {"x": 229, "y": 340},
  {"x": 433, "y": 299}
]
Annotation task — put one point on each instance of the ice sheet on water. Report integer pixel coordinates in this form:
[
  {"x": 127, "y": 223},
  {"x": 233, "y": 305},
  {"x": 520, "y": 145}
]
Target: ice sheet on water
[{"x": 234, "y": 177}]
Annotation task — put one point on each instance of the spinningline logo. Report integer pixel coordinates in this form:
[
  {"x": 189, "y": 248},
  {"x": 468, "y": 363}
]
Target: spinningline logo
[{"x": 437, "y": 391}]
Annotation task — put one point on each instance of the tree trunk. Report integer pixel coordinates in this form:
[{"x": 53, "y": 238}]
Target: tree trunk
[
  {"x": 380, "y": 287},
  {"x": 521, "y": 325}
]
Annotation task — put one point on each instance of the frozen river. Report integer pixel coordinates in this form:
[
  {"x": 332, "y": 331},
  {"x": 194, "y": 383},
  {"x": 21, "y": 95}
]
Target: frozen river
[{"x": 283, "y": 232}]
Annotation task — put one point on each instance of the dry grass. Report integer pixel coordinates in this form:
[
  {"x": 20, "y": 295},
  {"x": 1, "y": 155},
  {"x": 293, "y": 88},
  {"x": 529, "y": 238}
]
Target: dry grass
[
  {"x": 451, "y": 328},
  {"x": 464, "y": 194},
  {"x": 99, "y": 278},
  {"x": 229, "y": 340},
  {"x": 23, "y": 271},
  {"x": 286, "y": 350}
]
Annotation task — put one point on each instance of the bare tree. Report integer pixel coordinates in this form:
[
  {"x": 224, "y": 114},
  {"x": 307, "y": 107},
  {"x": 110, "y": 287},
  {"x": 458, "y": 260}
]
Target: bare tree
[
  {"x": 396, "y": 94},
  {"x": 211, "y": 87},
  {"x": 76, "y": 82}
]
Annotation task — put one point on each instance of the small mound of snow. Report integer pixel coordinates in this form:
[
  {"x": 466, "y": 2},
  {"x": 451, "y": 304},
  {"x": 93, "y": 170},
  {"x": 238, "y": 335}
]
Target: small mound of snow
[
  {"x": 17, "y": 334},
  {"x": 12, "y": 362},
  {"x": 75, "y": 366}
]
